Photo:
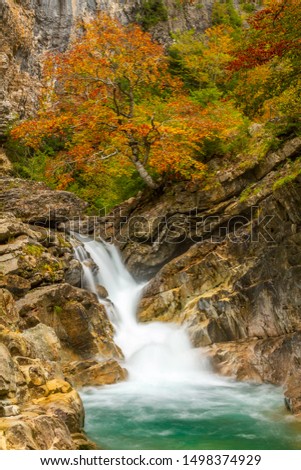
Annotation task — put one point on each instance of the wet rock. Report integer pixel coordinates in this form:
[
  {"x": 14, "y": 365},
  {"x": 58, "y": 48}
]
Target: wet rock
[
  {"x": 102, "y": 292},
  {"x": 73, "y": 275}
]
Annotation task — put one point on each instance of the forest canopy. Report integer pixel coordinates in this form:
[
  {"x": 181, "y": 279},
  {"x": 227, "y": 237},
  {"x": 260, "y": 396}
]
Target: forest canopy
[{"x": 118, "y": 108}]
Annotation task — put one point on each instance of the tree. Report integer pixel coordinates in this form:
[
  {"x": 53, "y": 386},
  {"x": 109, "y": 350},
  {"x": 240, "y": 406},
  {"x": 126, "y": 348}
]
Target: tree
[
  {"x": 266, "y": 63},
  {"x": 201, "y": 59},
  {"x": 110, "y": 97}
]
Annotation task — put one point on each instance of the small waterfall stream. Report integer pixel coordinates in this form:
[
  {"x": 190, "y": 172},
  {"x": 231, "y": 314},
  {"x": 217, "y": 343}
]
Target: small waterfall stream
[
  {"x": 172, "y": 399},
  {"x": 152, "y": 351}
]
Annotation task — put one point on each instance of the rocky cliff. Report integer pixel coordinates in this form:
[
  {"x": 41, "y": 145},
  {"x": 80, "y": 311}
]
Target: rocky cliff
[
  {"x": 54, "y": 336},
  {"x": 31, "y": 27}
]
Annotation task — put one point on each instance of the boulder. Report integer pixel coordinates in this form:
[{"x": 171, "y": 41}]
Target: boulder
[
  {"x": 30, "y": 257},
  {"x": 45, "y": 342},
  {"x": 70, "y": 310}
]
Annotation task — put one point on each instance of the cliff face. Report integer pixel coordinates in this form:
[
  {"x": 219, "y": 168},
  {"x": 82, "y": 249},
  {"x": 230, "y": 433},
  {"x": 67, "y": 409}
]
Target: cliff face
[{"x": 31, "y": 27}]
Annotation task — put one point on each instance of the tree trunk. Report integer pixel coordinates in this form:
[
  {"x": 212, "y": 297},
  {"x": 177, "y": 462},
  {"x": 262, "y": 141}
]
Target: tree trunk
[{"x": 144, "y": 174}]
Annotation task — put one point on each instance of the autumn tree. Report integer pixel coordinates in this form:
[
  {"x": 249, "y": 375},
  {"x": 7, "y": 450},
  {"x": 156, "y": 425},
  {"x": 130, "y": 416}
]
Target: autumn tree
[
  {"x": 201, "y": 59},
  {"x": 110, "y": 101},
  {"x": 266, "y": 62}
]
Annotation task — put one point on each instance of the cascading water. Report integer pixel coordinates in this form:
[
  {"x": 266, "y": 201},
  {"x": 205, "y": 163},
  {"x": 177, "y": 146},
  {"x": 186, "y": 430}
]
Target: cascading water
[
  {"x": 171, "y": 399},
  {"x": 152, "y": 351}
]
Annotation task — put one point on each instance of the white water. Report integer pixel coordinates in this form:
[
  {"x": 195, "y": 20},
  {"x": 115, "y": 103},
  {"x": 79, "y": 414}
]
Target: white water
[
  {"x": 154, "y": 352},
  {"x": 172, "y": 400}
]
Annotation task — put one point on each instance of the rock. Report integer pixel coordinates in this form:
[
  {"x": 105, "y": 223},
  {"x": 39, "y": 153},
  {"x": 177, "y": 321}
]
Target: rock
[
  {"x": 92, "y": 372},
  {"x": 15, "y": 284},
  {"x": 7, "y": 374},
  {"x": 69, "y": 310},
  {"x": 5, "y": 165},
  {"x": 9, "y": 410},
  {"x": 30, "y": 257},
  {"x": 45, "y": 342},
  {"x": 73, "y": 275},
  {"x": 12, "y": 228},
  {"x": 35, "y": 203},
  {"x": 236, "y": 286},
  {"x": 57, "y": 386},
  {"x": 40, "y": 432},
  {"x": 67, "y": 406},
  {"x": 9, "y": 316},
  {"x": 102, "y": 292},
  {"x": 151, "y": 234},
  {"x": 270, "y": 360}
]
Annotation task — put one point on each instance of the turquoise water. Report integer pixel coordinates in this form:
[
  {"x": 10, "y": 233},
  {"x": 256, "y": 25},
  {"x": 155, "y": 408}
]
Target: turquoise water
[{"x": 221, "y": 415}]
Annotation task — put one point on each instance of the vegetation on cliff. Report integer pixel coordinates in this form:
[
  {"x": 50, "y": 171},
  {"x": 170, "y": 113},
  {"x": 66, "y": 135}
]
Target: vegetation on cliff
[{"x": 118, "y": 112}]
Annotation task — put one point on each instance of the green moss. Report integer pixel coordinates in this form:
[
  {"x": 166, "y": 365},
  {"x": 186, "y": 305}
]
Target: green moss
[
  {"x": 33, "y": 250},
  {"x": 57, "y": 309},
  {"x": 246, "y": 193},
  {"x": 63, "y": 242},
  {"x": 285, "y": 180}
]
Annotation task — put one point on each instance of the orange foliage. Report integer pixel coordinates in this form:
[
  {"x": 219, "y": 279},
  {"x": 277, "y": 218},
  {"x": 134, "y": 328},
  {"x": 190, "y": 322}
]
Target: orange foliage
[{"x": 111, "y": 96}]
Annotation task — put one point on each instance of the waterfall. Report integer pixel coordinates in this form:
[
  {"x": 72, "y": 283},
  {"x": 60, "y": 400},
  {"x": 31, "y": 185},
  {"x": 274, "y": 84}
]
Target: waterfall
[
  {"x": 171, "y": 400},
  {"x": 154, "y": 352}
]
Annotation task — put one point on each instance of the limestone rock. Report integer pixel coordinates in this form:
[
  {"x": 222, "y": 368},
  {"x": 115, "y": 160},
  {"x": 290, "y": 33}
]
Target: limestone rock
[
  {"x": 270, "y": 360},
  {"x": 15, "y": 284},
  {"x": 7, "y": 374},
  {"x": 69, "y": 310},
  {"x": 33, "y": 256}
]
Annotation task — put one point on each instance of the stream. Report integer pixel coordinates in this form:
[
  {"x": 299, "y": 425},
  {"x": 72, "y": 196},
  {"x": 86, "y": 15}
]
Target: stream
[{"x": 172, "y": 399}]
